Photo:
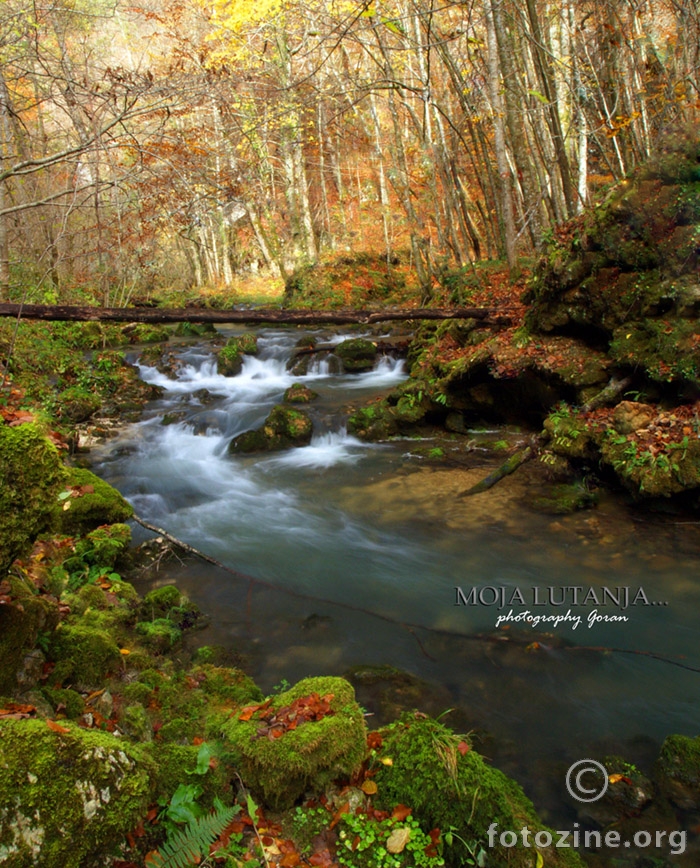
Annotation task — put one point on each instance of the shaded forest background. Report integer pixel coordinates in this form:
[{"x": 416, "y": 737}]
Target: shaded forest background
[{"x": 179, "y": 143}]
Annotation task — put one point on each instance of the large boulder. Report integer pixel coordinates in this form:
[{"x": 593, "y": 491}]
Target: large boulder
[
  {"x": 68, "y": 797},
  {"x": 423, "y": 764},
  {"x": 230, "y": 359}
]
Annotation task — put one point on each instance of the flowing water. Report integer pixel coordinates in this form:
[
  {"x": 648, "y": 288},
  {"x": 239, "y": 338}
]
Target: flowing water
[{"x": 357, "y": 551}]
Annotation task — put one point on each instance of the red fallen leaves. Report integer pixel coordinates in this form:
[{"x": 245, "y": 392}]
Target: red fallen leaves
[
  {"x": 56, "y": 727},
  {"x": 303, "y": 710},
  {"x": 463, "y": 747}
]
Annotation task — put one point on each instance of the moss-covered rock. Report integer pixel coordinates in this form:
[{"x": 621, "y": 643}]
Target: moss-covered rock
[
  {"x": 31, "y": 475},
  {"x": 284, "y": 428},
  {"x": 230, "y": 358},
  {"x": 375, "y": 422},
  {"x": 562, "y": 499},
  {"x": 677, "y": 771},
  {"x": 84, "y": 655},
  {"x": 449, "y": 786},
  {"x": 22, "y": 620},
  {"x": 310, "y": 756},
  {"x": 91, "y": 502},
  {"x": 67, "y": 799},
  {"x": 357, "y": 355},
  {"x": 297, "y": 393},
  {"x": 76, "y": 404},
  {"x": 159, "y": 635}
]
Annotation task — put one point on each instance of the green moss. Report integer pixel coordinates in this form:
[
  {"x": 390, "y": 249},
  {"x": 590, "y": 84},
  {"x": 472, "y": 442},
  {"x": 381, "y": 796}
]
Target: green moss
[
  {"x": 647, "y": 474},
  {"x": 568, "y": 435},
  {"x": 67, "y": 700},
  {"x": 137, "y": 692},
  {"x": 284, "y": 428},
  {"x": 21, "y": 622},
  {"x": 230, "y": 359},
  {"x": 231, "y": 685},
  {"x": 158, "y": 602},
  {"x": 159, "y": 635},
  {"x": 102, "y": 505},
  {"x": 448, "y": 789},
  {"x": 563, "y": 499},
  {"x": 31, "y": 475},
  {"x": 308, "y": 757},
  {"x": 356, "y": 354},
  {"x": 679, "y": 759},
  {"x": 84, "y": 655},
  {"x": 76, "y": 404},
  {"x": 135, "y": 722},
  {"x": 176, "y": 765},
  {"x": 664, "y": 348},
  {"x": 194, "y": 329},
  {"x": 375, "y": 422},
  {"x": 67, "y": 800}
]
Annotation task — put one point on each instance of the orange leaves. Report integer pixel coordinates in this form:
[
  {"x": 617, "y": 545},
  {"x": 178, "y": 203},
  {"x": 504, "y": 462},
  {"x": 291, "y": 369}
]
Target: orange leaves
[
  {"x": 369, "y": 788},
  {"x": 56, "y": 727},
  {"x": 463, "y": 747},
  {"x": 17, "y": 711},
  {"x": 276, "y": 723}
]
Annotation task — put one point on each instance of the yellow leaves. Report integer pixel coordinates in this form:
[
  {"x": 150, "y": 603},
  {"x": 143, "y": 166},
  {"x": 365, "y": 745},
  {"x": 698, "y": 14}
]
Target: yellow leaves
[
  {"x": 387, "y": 761},
  {"x": 369, "y": 788},
  {"x": 398, "y": 839}
]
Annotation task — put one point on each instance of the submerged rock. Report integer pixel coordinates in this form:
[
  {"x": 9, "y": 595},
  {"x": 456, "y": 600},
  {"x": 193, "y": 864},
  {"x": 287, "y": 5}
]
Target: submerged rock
[
  {"x": 283, "y": 429},
  {"x": 677, "y": 771}
]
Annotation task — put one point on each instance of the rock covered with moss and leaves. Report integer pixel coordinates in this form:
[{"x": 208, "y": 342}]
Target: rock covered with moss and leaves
[
  {"x": 284, "y": 428},
  {"x": 88, "y": 501},
  {"x": 423, "y": 764},
  {"x": 305, "y": 738}
]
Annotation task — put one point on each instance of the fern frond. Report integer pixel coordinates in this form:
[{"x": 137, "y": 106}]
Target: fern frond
[{"x": 185, "y": 846}]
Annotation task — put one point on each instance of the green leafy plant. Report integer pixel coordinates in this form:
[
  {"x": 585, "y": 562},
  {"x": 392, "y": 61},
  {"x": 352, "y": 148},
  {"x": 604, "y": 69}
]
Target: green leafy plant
[
  {"x": 367, "y": 843},
  {"x": 185, "y": 847}
]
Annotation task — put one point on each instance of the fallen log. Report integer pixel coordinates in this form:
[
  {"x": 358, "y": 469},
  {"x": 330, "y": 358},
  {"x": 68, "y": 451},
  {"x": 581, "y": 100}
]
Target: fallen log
[
  {"x": 508, "y": 467},
  {"x": 67, "y": 313}
]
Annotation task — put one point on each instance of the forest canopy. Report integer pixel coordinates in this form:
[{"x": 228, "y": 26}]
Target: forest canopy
[{"x": 180, "y": 142}]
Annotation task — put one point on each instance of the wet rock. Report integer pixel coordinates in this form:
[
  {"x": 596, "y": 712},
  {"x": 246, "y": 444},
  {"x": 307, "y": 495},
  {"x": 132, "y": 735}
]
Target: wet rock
[
  {"x": 563, "y": 499},
  {"x": 230, "y": 359},
  {"x": 357, "y": 354},
  {"x": 284, "y": 428},
  {"x": 297, "y": 393},
  {"x": 628, "y": 792},
  {"x": 677, "y": 771}
]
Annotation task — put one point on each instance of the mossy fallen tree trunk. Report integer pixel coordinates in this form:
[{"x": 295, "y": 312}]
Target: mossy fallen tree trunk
[
  {"x": 67, "y": 313},
  {"x": 508, "y": 467}
]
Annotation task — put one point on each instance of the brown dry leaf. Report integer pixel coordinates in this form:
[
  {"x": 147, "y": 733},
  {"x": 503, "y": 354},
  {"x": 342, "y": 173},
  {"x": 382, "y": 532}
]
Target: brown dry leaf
[
  {"x": 400, "y": 812},
  {"x": 56, "y": 727},
  {"x": 369, "y": 788}
]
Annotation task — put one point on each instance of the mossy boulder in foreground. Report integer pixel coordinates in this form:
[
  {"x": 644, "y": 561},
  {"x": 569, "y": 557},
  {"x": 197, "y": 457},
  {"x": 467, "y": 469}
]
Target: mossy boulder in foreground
[
  {"x": 31, "y": 474},
  {"x": 68, "y": 798},
  {"x": 283, "y": 429},
  {"x": 452, "y": 787},
  {"x": 280, "y": 768}
]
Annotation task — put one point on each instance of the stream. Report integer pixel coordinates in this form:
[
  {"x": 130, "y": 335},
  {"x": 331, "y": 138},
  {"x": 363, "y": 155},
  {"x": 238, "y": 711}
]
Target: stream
[{"x": 361, "y": 552}]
